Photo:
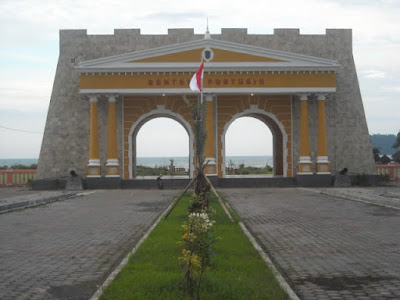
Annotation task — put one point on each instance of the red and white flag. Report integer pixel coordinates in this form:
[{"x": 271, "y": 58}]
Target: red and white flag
[{"x": 195, "y": 82}]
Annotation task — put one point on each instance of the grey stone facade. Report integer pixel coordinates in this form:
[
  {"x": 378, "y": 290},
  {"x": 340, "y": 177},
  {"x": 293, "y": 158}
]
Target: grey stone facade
[{"x": 65, "y": 143}]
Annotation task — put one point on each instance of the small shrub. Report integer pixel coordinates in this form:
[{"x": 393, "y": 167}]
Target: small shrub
[{"x": 196, "y": 248}]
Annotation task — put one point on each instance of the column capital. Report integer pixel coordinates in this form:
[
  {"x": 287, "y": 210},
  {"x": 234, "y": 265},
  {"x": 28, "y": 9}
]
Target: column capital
[
  {"x": 321, "y": 96},
  {"x": 93, "y": 98},
  {"x": 111, "y": 98},
  {"x": 303, "y": 97},
  {"x": 209, "y": 97}
]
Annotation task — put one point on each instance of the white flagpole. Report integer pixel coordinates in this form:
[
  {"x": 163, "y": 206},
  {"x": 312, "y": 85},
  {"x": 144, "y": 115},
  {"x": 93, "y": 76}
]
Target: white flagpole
[
  {"x": 202, "y": 84},
  {"x": 202, "y": 87}
]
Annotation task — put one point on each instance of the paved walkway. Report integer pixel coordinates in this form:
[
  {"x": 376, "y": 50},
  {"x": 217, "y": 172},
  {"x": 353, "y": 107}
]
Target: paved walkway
[
  {"x": 13, "y": 198},
  {"x": 327, "y": 247},
  {"x": 66, "y": 249}
]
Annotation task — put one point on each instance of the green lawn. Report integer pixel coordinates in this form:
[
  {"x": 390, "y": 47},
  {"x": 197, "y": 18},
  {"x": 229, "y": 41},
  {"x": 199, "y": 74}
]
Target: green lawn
[{"x": 154, "y": 272}]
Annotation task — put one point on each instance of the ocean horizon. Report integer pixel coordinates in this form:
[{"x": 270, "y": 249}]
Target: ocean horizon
[{"x": 179, "y": 161}]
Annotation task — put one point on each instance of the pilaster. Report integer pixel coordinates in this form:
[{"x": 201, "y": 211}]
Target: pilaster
[
  {"x": 210, "y": 147},
  {"x": 323, "y": 164},
  {"x": 304, "y": 165}
]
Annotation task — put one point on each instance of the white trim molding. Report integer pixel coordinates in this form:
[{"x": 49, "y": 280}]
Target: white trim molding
[
  {"x": 220, "y": 91},
  {"x": 305, "y": 159},
  {"x": 94, "y": 162},
  {"x": 322, "y": 159},
  {"x": 112, "y": 162},
  {"x": 211, "y": 161}
]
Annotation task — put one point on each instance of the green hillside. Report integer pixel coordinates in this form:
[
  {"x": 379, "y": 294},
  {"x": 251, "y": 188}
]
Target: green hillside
[{"x": 384, "y": 142}]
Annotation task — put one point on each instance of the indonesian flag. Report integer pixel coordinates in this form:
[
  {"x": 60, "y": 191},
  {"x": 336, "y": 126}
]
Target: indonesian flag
[{"x": 195, "y": 82}]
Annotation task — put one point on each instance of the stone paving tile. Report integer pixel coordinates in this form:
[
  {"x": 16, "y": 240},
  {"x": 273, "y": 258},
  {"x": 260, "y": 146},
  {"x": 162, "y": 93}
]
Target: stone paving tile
[
  {"x": 327, "y": 247},
  {"x": 66, "y": 249}
]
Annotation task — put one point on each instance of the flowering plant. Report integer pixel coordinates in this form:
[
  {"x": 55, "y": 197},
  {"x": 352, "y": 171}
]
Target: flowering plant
[{"x": 195, "y": 246}]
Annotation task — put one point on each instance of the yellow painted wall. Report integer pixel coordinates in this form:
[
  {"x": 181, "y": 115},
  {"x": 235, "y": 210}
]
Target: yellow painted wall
[
  {"x": 220, "y": 55},
  {"x": 227, "y": 107},
  {"x": 209, "y": 150},
  {"x": 212, "y": 80}
]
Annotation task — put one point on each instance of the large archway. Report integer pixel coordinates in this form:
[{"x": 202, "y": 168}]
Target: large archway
[
  {"x": 248, "y": 147},
  {"x": 279, "y": 139},
  {"x": 159, "y": 113}
]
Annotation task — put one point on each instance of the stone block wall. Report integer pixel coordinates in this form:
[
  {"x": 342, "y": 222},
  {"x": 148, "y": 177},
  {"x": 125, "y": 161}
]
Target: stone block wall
[{"x": 65, "y": 143}]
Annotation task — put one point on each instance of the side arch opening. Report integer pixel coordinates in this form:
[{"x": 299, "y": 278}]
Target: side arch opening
[
  {"x": 162, "y": 130},
  {"x": 279, "y": 140},
  {"x": 248, "y": 148}
]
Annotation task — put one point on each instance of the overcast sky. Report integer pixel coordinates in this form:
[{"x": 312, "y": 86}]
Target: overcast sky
[{"x": 29, "y": 53}]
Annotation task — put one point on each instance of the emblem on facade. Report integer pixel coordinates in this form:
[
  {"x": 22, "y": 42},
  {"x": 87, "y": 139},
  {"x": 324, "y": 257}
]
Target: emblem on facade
[{"x": 207, "y": 54}]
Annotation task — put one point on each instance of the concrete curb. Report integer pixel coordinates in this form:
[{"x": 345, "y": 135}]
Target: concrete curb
[
  {"x": 390, "y": 202},
  {"x": 269, "y": 262},
  {"x": 36, "y": 202},
  {"x": 122, "y": 264}
]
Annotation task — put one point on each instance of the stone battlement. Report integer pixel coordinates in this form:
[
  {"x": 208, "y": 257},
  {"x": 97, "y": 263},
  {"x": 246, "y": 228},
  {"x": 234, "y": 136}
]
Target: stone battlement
[{"x": 190, "y": 32}]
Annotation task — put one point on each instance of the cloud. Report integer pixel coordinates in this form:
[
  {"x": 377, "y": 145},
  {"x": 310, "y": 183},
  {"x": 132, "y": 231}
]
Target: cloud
[
  {"x": 24, "y": 95},
  {"x": 183, "y": 16},
  {"x": 162, "y": 137},
  {"x": 23, "y": 57},
  {"x": 395, "y": 89},
  {"x": 373, "y": 74},
  {"x": 248, "y": 136}
]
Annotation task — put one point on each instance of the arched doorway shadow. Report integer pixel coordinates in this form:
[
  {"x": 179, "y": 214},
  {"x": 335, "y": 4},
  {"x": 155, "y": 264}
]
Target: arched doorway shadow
[
  {"x": 135, "y": 128},
  {"x": 279, "y": 139}
]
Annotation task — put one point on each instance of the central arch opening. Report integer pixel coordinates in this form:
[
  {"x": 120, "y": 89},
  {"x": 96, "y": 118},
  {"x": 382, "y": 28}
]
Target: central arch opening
[
  {"x": 161, "y": 147},
  {"x": 248, "y": 148}
]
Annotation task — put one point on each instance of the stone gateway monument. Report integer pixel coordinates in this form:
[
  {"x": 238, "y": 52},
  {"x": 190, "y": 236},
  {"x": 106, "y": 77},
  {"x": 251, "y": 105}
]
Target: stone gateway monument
[{"x": 303, "y": 87}]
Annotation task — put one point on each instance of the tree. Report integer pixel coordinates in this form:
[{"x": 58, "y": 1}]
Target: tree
[
  {"x": 201, "y": 186},
  {"x": 385, "y": 159},
  {"x": 397, "y": 142},
  {"x": 376, "y": 151},
  {"x": 396, "y": 156},
  {"x": 396, "y": 145}
]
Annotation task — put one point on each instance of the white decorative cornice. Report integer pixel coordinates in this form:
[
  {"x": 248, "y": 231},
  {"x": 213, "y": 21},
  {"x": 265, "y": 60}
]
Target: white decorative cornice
[
  {"x": 125, "y": 63},
  {"x": 219, "y": 91}
]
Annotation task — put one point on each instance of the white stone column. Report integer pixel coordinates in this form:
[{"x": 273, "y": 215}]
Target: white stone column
[
  {"x": 323, "y": 165},
  {"x": 94, "y": 167},
  {"x": 112, "y": 166},
  {"x": 304, "y": 165}
]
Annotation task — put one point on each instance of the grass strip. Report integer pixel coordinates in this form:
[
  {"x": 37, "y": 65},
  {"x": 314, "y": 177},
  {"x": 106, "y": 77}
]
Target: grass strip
[{"x": 154, "y": 272}]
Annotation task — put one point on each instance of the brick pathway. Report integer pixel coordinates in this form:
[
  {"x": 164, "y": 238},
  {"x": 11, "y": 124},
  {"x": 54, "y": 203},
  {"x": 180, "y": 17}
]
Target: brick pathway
[
  {"x": 327, "y": 247},
  {"x": 64, "y": 250}
]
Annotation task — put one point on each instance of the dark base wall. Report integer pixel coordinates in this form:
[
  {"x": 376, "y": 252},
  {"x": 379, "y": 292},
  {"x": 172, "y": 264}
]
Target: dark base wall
[
  {"x": 315, "y": 180},
  {"x": 117, "y": 183}
]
